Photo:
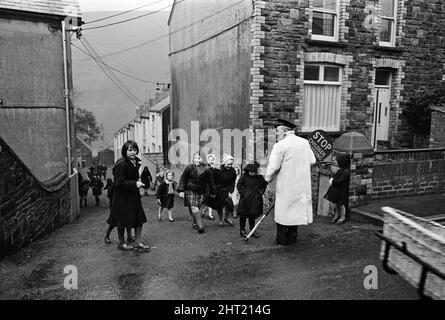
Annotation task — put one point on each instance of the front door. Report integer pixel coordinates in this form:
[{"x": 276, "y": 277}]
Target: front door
[{"x": 382, "y": 96}]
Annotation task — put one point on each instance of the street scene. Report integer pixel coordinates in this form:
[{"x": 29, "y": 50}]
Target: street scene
[
  {"x": 222, "y": 150},
  {"x": 328, "y": 262}
]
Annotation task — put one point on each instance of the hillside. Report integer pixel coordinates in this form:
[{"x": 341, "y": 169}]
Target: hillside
[{"x": 149, "y": 62}]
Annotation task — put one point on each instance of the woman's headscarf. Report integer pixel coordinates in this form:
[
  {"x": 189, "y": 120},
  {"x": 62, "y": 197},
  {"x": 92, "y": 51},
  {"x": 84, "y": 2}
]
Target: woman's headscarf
[{"x": 226, "y": 158}]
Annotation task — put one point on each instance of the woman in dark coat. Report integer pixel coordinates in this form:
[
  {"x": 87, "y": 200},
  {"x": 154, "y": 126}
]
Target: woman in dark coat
[
  {"x": 225, "y": 184},
  {"x": 126, "y": 207},
  {"x": 192, "y": 186},
  {"x": 338, "y": 192},
  {"x": 251, "y": 187},
  {"x": 110, "y": 189}
]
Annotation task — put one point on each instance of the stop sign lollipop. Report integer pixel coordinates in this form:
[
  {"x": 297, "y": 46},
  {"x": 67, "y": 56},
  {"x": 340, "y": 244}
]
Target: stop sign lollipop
[{"x": 321, "y": 144}]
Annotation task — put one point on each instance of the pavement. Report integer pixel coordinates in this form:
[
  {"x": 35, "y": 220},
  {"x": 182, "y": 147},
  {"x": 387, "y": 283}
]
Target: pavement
[
  {"x": 328, "y": 262},
  {"x": 431, "y": 207}
]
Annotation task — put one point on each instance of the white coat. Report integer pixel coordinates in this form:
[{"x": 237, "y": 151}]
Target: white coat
[{"x": 290, "y": 160}]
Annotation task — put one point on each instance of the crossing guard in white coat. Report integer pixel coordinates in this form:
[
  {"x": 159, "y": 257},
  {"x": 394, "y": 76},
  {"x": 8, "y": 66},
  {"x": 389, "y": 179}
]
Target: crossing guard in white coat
[{"x": 290, "y": 160}]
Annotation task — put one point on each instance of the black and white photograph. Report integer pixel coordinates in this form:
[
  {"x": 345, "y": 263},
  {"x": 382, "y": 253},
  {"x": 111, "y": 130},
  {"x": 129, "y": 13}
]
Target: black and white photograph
[{"x": 222, "y": 155}]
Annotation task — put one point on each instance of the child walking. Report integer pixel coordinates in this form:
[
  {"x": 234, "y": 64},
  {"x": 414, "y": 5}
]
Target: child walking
[
  {"x": 83, "y": 191},
  {"x": 165, "y": 195},
  {"x": 338, "y": 192},
  {"x": 97, "y": 185},
  {"x": 251, "y": 187}
]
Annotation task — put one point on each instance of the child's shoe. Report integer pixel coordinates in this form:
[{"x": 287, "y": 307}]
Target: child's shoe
[
  {"x": 243, "y": 234},
  {"x": 255, "y": 235}
]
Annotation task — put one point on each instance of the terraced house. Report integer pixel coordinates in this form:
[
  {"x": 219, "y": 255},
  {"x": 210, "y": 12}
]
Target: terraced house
[{"x": 336, "y": 65}]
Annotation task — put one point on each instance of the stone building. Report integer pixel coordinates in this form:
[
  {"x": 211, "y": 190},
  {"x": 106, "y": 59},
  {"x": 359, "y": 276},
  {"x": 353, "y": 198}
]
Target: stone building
[
  {"x": 37, "y": 191},
  {"x": 335, "y": 65}
]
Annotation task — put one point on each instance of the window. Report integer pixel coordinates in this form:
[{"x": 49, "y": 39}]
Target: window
[
  {"x": 388, "y": 23},
  {"x": 322, "y": 92},
  {"x": 325, "y": 20},
  {"x": 382, "y": 77}
]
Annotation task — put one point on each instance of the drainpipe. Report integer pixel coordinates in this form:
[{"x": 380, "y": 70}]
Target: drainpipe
[{"x": 67, "y": 97}]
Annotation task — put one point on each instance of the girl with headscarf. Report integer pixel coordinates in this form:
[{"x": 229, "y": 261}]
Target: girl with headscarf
[
  {"x": 225, "y": 178},
  {"x": 207, "y": 199}
]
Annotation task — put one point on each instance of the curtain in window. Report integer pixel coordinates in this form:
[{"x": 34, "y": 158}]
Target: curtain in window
[{"x": 321, "y": 107}]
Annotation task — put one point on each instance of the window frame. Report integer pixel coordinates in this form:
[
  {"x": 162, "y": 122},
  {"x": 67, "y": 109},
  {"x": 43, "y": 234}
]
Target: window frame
[
  {"x": 322, "y": 82},
  {"x": 336, "y": 14},
  {"x": 391, "y": 43}
]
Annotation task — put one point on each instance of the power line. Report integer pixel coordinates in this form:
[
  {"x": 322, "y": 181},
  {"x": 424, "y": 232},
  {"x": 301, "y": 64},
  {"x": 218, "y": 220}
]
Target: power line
[
  {"x": 121, "y": 13},
  {"x": 168, "y": 34},
  {"x": 110, "y": 75},
  {"x": 117, "y": 80},
  {"x": 134, "y": 18},
  {"x": 117, "y": 70},
  {"x": 111, "y": 72}
]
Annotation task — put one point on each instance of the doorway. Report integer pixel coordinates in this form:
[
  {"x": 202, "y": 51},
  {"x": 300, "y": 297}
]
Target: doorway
[{"x": 382, "y": 97}]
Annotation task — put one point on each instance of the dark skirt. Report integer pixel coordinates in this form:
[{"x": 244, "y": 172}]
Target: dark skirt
[
  {"x": 338, "y": 195},
  {"x": 168, "y": 202}
]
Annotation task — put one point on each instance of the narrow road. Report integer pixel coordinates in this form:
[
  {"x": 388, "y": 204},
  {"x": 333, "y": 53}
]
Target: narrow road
[{"x": 327, "y": 263}]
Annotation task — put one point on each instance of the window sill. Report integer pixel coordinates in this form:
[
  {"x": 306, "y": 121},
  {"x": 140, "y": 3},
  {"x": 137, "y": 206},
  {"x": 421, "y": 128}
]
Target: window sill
[
  {"x": 388, "y": 49},
  {"x": 326, "y": 43}
]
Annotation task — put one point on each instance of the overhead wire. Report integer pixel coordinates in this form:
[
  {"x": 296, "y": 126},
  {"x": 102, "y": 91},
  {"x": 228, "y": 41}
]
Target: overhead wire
[
  {"x": 130, "y": 19},
  {"x": 113, "y": 68},
  {"x": 111, "y": 75},
  {"x": 139, "y": 102},
  {"x": 168, "y": 34},
  {"x": 125, "y": 12}
]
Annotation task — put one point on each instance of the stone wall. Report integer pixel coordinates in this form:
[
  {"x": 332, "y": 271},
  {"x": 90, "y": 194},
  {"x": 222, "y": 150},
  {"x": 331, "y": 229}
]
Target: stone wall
[
  {"x": 28, "y": 209},
  {"x": 437, "y": 133},
  {"x": 395, "y": 173},
  {"x": 282, "y": 44},
  {"x": 360, "y": 186},
  {"x": 408, "y": 172}
]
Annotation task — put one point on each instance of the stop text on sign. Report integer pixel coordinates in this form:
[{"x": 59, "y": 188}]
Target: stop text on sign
[{"x": 321, "y": 144}]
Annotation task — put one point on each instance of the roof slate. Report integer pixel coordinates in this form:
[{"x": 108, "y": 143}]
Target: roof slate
[{"x": 53, "y": 7}]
